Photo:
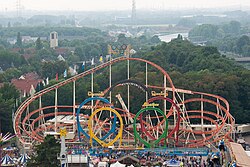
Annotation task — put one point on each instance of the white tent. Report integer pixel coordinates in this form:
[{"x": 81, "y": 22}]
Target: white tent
[
  {"x": 117, "y": 164},
  {"x": 23, "y": 159},
  {"x": 7, "y": 161},
  {"x": 102, "y": 164},
  {"x": 172, "y": 163}
]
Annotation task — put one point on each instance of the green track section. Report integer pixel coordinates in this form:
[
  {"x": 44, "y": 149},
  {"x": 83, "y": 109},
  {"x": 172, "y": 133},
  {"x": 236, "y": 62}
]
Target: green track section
[{"x": 163, "y": 136}]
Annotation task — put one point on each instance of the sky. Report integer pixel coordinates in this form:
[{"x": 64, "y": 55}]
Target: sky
[{"x": 93, "y": 5}]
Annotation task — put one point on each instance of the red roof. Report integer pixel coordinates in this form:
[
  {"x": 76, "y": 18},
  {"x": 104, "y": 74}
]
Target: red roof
[
  {"x": 28, "y": 56},
  {"x": 61, "y": 51},
  {"x": 15, "y": 50},
  {"x": 23, "y": 84},
  {"x": 30, "y": 50}
]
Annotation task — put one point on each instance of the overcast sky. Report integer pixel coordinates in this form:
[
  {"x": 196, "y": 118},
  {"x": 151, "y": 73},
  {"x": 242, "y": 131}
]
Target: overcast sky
[{"x": 119, "y": 4}]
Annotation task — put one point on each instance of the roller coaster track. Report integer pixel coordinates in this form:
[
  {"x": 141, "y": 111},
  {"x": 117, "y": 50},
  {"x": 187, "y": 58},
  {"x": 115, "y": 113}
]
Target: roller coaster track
[{"x": 24, "y": 126}]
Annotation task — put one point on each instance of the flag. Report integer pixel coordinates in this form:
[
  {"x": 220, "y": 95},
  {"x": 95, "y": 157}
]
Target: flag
[
  {"x": 43, "y": 82},
  {"x": 16, "y": 103},
  {"x": 56, "y": 76},
  {"x": 38, "y": 87},
  {"x": 74, "y": 71},
  {"x": 24, "y": 93},
  {"x": 41, "y": 86},
  {"x": 101, "y": 58},
  {"x": 83, "y": 65},
  {"x": 47, "y": 80},
  {"x": 93, "y": 61},
  {"x": 65, "y": 73},
  {"x": 13, "y": 113},
  {"x": 108, "y": 57},
  {"x": 32, "y": 90}
]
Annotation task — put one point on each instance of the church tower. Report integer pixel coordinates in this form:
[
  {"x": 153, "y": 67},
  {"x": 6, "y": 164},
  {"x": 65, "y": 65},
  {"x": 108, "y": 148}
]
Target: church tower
[{"x": 53, "y": 39}]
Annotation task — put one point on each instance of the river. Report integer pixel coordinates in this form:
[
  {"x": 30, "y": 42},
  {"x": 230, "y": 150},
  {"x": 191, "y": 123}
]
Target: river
[{"x": 169, "y": 37}]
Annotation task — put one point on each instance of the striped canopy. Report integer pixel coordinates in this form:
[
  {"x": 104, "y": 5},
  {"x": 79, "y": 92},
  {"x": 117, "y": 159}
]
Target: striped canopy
[
  {"x": 23, "y": 159},
  {"x": 8, "y": 148},
  {"x": 7, "y": 161}
]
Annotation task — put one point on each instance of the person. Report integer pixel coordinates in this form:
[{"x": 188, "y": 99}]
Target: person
[
  {"x": 233, "y": 164},
  {"x": 216, "y": 158},
  {"x": 221, "y": 145},
  {"x": 181, "y": 164}
]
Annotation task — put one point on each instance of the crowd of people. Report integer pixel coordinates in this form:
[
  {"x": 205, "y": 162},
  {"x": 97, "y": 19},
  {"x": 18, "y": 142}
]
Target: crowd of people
[{"x": 187, "y": 158}]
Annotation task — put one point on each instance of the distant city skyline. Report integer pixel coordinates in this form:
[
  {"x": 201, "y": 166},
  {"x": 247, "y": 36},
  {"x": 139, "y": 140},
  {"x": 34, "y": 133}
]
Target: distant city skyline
[{"x": 94, "y": 5}]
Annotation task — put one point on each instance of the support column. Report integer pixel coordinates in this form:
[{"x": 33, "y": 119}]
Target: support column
[
  {"x": 165, "y": 92},
  {"x": 56, "y": 109},
  {"x": 165, "y": 103},
  {"x": 92, "y": 90},
  {"x": 128, "y": 98},
  {"x": 40, "y": 112},
  {"x": 147, "y": 81},
  {"x": 183, "y": 114},
  {"x": 74, "y": 106},
  {"x": 42, "y": 121},
  {"x": 128, "y": 87},
  {"x": 29, "y": 125},
  {"x": 110, "y": 81},
  {"x": 110, "y": 93},
  {"x": 147, "y": 118},
  {"x": 63, "y": 153},
  {"x": 202, "y": 113}
]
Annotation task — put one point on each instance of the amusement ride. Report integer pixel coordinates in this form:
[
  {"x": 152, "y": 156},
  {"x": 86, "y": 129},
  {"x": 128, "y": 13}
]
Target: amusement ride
[{"x": 163, "y": 116}]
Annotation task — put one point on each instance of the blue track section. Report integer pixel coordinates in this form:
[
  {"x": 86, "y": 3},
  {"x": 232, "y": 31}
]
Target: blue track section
[
  {"x": 79, "y": 127},
  {"x": 156, "y": 151}
]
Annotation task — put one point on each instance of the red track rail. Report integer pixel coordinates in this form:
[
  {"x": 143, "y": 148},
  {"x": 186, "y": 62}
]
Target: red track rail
[{"x": 21, "y": 120}]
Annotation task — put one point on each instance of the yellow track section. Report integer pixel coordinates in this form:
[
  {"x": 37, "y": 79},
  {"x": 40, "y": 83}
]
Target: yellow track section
[{"x": 93, "y": 136}]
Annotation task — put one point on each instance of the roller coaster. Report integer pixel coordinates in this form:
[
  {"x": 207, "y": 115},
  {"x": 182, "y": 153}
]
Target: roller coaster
[{"x": 165, "y": 116}]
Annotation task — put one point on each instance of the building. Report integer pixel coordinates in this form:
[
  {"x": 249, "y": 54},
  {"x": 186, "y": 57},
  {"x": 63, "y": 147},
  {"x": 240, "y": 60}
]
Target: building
[
  {"x": 27, "y": 83},
  {"x": 243, "y": 129},
  {"x": 53, "y": 39}
]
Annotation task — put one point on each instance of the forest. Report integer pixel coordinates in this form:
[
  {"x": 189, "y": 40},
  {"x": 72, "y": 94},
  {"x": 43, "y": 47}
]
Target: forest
[
  {"x": 198, "y": 68},
  {"x": 203, "y": 68},
  {"x": 228, "y": 37}
]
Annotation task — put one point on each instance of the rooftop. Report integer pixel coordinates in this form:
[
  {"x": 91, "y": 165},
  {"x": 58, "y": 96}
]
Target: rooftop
[{"x": 25, "y": 82}]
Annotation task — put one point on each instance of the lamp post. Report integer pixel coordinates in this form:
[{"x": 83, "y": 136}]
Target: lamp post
[{"x": 63, "y": 156}]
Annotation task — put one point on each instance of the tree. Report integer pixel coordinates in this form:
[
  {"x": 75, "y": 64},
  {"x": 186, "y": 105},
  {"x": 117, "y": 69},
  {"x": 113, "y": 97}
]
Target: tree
[
  {"x": 204, "y": 32},
  {"x": 39, "y": 45},
  {"x": 6, "y": 107},
  {"x": 155, "y": 39},
  {"x": 8, "y": 94},
  {"x": 122, "y": 39},
  {"x": 241, "y": 42},
  {"x": 9, "y": 91},
  {"x": 232, "y": 28},
  {"x": 46, "y": 153},
  {"x": 142, "y": 39},
  {"x": 187, "y": 22},
  {"x": 49, "y": 69},
  {"x": 19, "y": 40},
  {"x": 179, "y": 37}
]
